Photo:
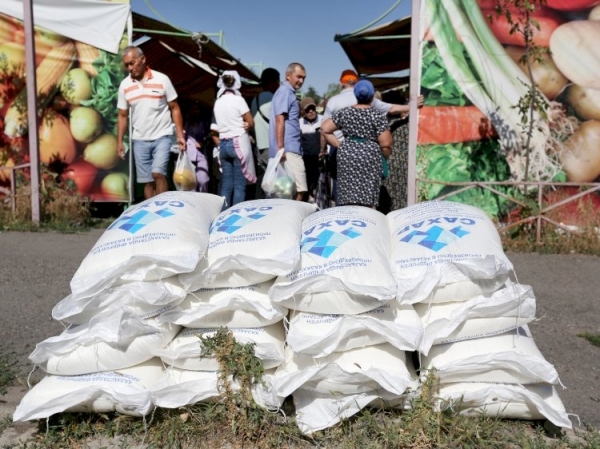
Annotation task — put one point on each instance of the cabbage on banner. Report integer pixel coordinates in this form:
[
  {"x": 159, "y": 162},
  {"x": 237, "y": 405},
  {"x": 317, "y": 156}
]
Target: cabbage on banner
[{"x": 474, "y": 125}]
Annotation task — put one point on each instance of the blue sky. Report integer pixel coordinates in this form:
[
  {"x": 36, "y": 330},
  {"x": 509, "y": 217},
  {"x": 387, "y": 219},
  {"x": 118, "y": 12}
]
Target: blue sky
[{"x": 277, "y": 32}]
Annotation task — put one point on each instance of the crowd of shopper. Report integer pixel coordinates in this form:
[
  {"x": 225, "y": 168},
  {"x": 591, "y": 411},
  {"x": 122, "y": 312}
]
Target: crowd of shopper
[{"x": 346, "y": 155}]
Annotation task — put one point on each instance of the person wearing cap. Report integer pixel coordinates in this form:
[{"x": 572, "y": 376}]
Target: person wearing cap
[
  {"x": 284, "y": 126},
  {"x": 260, "y": 108},
  {"x": 311, "y": 142},
  {"x": 346, "y": 98},
  {"x": 367, "y": 139}
]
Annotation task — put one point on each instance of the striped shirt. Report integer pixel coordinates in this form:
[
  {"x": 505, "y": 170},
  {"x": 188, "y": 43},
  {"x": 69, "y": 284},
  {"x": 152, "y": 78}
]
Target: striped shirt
[{"x": 148, "y": 100}]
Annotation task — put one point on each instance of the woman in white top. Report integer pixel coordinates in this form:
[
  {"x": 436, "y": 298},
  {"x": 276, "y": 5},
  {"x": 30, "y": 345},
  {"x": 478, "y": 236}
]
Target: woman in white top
[{"x": 233, "y": 119}]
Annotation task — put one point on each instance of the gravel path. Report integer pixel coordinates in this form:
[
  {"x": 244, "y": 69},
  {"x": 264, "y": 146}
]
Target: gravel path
[{"x": 35, "y": 270}]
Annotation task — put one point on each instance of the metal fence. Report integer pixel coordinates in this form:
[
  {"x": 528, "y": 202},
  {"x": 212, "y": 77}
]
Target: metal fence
[{"x": 537, "y": 217}]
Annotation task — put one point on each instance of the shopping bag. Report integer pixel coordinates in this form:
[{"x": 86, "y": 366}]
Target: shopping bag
[
  {"x": 184, "y": 176},
  {"x": 278, "y": 181}
]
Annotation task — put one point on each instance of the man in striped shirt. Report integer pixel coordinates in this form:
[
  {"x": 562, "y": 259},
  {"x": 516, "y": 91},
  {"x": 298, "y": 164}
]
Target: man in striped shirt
[{"x": 153, "y": 103}]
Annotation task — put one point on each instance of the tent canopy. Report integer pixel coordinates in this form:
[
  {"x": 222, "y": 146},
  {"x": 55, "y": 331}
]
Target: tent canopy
[
  {"x": 191, "y": 79},
  {"x": 379, "y": 50},
  {"x": 212, "y": 54}
]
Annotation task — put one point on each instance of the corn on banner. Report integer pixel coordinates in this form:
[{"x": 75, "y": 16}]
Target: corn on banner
[
  {"x": 475, "y": 124},
  {"x": 77, "y": 86}
]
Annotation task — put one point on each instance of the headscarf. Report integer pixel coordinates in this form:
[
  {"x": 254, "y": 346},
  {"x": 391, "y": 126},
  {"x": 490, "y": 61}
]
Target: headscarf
[
  {"x": 364, "y": 91},
  {"x": 236, "y": 85}
]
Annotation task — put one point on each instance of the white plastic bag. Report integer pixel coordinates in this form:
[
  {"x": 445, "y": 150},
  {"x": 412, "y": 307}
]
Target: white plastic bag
[
  {"x": 184, "y": 176},
  {"x": 278, "y": 181}
]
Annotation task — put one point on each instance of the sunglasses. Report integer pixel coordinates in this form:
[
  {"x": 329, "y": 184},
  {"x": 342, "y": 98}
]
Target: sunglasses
[{"x": 310, "y": 108}]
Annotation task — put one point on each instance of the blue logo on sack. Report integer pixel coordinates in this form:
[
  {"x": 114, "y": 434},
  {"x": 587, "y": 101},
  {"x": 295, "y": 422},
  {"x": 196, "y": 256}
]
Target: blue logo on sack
[
  {"x": 327, "y": 241},
  {"x": 235, "y": 222},
  {"x": 436, "y": 237},
  {"x": 140, "y": 219}
]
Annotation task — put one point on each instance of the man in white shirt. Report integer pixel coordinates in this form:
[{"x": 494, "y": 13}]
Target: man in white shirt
[
  {"x": 260, "y": 108},
  {"x": 154, "y": 109}
]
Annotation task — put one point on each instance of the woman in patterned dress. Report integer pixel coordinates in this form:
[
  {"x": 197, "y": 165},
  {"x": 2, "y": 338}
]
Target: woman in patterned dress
[{"x": 367, "y": 138}]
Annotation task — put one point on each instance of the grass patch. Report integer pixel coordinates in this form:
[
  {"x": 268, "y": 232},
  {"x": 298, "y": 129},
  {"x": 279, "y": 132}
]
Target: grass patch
[
  {"x": 235, "y": 421},
  {"x": 582, "y": 216},
  {"x": 62, "y": 209},
  {"x": 592, "y": 338},
  {"x": 209, "y": 425}
]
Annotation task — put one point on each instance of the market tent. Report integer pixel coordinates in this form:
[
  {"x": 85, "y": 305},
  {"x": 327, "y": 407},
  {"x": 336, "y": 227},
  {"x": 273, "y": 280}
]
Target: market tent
[
  {"x": 383, "y": 83},
  {"x": 379, "y": 50},
  {"x": 192, "y": 79},
  {"x": 181, "y": 41},
  {"x": 97, "y": 23}
]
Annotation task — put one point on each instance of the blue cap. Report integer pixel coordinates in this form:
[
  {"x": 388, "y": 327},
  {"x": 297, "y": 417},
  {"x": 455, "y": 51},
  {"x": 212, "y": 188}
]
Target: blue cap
[{"x": 364, "y": 91}]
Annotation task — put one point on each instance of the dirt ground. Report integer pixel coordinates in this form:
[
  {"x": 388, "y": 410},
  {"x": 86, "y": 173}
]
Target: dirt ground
[{"x": 35, "y": 270}]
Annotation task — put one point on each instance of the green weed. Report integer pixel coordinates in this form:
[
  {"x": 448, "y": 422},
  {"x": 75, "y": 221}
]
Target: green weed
[{"x": 592, "y": 338}]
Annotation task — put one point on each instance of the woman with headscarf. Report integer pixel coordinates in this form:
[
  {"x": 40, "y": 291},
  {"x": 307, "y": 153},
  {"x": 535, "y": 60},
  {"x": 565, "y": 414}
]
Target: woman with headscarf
[
  {"x": 367, "y": 139},
  {"x": 232, "y": 121}
]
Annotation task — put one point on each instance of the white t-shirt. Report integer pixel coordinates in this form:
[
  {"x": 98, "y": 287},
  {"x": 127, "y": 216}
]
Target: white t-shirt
[
  {"x": 148, "y": 100},
  {"x": 261, "y": 126},
  {"x": 228, "y": 112}
]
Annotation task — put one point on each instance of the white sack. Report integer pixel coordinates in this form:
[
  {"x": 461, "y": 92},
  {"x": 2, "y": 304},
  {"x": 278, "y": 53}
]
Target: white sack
[
  {"x": 179, "y": 388},
  {"x": 482, "y": 316},
  {"x": 251, "y": 242},
  {"x": 445, "y": 251},
  {"x": 528, "y": 402},
  {"x": 344, "y": 252},
  {"x": 156, "y": 239},
  {"x": 511, "y": 358},
  {"x": 67, "y": 358},
  {"x": 118, "y": 326},
  {"x": 362, "y": 370},
  {"x": 227, "y": 307},
  {"x": 125, "y": 391},
  {"x": 138, "y": 297},
  {"x": 185, "y": 351},
  {"x": 320, "y": 335},
  {"x": 316, "y": 411}
]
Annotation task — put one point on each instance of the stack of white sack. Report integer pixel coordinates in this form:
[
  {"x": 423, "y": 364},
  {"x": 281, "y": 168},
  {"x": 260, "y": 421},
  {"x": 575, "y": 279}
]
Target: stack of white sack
[
  {"x": 347, "y": 339},
  {"x": 247, "y": 312},
  {"x": 122, "y": 286},
  {"x": 503, "y": 376},
  {"x": 449, "y": 262},
  {"x": 249, "y": 245}
]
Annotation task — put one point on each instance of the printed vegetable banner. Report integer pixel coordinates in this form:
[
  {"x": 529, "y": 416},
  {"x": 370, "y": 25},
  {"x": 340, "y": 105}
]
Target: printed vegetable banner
[
  {"x": 77, "y": 88},
  {"x": 474, "y": 125}
]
